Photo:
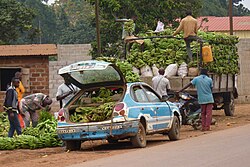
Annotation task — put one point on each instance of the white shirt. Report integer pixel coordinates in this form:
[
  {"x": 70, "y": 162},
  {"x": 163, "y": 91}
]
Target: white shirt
[
  {"x": 63, "y": 89},
  {"x": 161, "y": 84}
]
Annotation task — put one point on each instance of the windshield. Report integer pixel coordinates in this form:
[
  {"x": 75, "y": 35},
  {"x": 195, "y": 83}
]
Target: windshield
[{"x": 108, "y": 74}]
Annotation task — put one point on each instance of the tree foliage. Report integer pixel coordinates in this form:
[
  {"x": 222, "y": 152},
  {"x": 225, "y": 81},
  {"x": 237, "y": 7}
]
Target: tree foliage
[
  {"x": 221, "y": 7},
  {"x": 15, "y": 18},
  {"x": 44, "y": 23},
  {"x": 74, "y": 21},
  {"x": 146, "y": 12}
]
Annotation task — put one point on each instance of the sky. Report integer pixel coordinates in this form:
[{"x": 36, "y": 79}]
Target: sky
[
  {"x": 246, "y": 3},
  {"x": 52, "y": 1}
]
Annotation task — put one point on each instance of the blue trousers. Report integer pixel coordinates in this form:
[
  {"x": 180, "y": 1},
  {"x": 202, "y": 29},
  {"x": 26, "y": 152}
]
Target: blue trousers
[
  {"x": 14, "y": 124},
  {"x": 188, "y": 41}
]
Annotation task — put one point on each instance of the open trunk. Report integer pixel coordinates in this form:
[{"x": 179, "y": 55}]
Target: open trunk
[{"x": 94, "y": 105}]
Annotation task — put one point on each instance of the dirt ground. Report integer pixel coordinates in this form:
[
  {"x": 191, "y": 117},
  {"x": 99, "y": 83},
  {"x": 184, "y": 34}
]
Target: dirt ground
[{"x": 58, "y": 157}]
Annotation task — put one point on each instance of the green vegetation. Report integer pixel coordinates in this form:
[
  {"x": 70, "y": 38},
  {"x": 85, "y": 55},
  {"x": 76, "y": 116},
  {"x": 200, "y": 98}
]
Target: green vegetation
[
  {"x": 44, "y": 135},
  {"x": 93, "y": 114},
  {"x": 165, "y": 51},
  {"x": 14, "y": 19}
]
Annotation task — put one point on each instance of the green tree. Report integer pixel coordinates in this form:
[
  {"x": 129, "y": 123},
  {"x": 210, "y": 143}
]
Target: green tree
[
  {"x": 15, "y": 18},
  {"x": 44, "y": 24},
  {"x": 146, "y": 11},
  {"x": 74, "y": 21},
  {"x": 220, "y": 8}
]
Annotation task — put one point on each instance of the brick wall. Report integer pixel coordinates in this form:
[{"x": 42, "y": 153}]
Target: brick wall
[
  {"x": 243, "y": 79},
  {"x": 67, "y": 54},
  {"x": 37, "y": 70}
]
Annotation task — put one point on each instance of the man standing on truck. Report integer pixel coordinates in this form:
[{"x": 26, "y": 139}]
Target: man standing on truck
[
  {"x": 161, "y": 84},
  {"x": 189, "y": 27},
  {"x": 204, "y": 85}
]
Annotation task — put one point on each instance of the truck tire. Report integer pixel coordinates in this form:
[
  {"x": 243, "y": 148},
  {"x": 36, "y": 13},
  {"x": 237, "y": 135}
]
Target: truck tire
[
  {"x": 174, "y": 133},
  {"x": 139, "y": 140},
  {"x": 229, "y": 107},
  {"x": 73, "y": 145}
]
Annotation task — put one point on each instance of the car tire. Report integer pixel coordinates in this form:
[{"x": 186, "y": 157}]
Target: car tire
[
  {"x": 73, "y": 145},
  {"x": 139, "y": 140},
  {"x": 174, "y": 133}
]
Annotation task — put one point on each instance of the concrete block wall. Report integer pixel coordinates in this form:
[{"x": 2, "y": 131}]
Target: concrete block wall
[
  {"x": 243, "y": 79},
  {"x": 67, "y": 54}
]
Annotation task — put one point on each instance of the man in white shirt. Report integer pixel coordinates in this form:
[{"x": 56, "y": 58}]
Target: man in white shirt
[
  {"x": 161, "y": 84},
  {"x": 65, "y": 92}
]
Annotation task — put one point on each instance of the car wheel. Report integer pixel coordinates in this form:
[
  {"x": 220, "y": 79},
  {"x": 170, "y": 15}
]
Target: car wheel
[
  {"x": 112, "y": 141},
  {"x": 139, "y": 140},
  {"x": 174, "y": 133},
  {"x": 73, "y": 145}
]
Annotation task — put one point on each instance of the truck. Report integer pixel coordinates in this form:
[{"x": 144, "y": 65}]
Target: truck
[{"x": 224, "y": 88}]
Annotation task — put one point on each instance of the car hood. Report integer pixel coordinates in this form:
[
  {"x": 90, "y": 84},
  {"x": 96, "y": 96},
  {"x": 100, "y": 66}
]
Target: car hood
[{"x": 92, "y": 73}]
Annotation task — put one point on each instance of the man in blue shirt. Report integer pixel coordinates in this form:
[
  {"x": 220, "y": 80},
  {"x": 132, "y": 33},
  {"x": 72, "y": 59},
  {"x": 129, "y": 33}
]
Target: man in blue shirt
[{"x": 204, "y": 86}]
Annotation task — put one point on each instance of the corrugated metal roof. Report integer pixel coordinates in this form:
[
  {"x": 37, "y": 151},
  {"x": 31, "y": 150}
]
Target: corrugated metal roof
[
  {"x": 222, "y": 23},
  {"x": 28, "y": 50}
]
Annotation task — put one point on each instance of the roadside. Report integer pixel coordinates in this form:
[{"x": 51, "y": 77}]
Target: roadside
[{"x": 57, "y": 157}]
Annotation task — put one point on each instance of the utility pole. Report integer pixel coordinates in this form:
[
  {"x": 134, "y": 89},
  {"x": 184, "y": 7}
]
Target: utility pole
[
  {"x": 231, "y": 16},
  {"x": 98, "y": 36}
]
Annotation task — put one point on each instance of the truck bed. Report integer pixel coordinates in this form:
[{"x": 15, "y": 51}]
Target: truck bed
[{"x": 221, "y": 83}]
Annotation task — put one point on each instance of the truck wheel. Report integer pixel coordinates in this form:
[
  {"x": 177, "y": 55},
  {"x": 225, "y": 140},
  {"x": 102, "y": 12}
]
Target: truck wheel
[
  {"x": 197, "y": 124},
  {"x": 139, "y": 140},
  {"x": 73, "y": 145},
  {"x": 229, "y": 106},
  {"x": 174, "y": 133}
]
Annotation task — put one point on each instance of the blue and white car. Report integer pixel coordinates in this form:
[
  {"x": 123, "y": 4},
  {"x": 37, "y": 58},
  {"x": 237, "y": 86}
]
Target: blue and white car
[{"x": 138, "y": 110}]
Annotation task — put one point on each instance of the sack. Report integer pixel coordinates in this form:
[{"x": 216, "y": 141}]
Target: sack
[
  {"x": 193, "y": 71},
  {"x": 146, "y": 71},
  {"x": 207, "y": 54},
  {"x": 155, "y": 70},
  {"x": 183, "y": 70},
  {"x": 160, "y": 27},
  {"x": 135, "y": 70},
  {"x": 171, "y": 70}
]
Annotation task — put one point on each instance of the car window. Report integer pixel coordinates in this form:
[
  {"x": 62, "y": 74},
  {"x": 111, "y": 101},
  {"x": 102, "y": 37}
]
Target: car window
[
  {"x": 96, "y": 76},
  {"x": 139, "y": 95},
  {"x": 151, "y": 95}
]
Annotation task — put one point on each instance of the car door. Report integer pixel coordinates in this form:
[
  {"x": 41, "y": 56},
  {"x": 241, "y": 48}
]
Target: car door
[
  {"x": 93, "y": 73},
  {"x": 161, "y": 109},
  {"x": 144, "y": 107}
]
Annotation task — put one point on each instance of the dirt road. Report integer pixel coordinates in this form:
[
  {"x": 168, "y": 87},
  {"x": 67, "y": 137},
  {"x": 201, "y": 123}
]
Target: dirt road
[{"x": 57, "y": 157}]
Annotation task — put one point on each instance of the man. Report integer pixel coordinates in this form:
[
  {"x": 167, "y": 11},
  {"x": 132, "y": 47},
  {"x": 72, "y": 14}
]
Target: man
[
  {"x": 20, "y": 91},
  {"x": 65, "y": 92},
  {"x": 10, "y": 106},
  {"x": 189, "y": 27},
  {"x": 161, "y": 84},
  {"x": 204, "y": 86},
  {"x": 29, "y": 106}
]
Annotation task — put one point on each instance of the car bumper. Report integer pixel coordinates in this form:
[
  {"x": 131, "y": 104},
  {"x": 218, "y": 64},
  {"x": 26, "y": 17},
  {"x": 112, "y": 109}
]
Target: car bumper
[{"x": 98, "y": 131}]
